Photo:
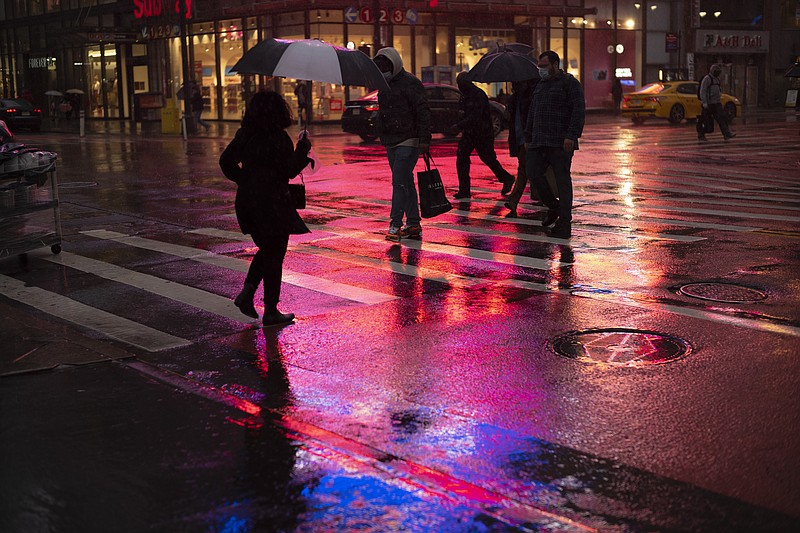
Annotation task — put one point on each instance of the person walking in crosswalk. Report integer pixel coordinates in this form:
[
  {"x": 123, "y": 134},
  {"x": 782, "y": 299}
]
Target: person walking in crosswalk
[{"x": 261, "y": 160}]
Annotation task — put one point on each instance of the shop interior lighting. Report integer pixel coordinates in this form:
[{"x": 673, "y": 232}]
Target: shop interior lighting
[
  {"x": 653, "y": 7},
  {"x": 630, "y": 24},
  {"x": 702, "y": 14},
  {"x": 637, "y": 5},
  {"x": 717, "y": 13}
]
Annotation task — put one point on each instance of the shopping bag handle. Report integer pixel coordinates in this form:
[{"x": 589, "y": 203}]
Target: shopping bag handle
[{"x": 428, "y": 160}]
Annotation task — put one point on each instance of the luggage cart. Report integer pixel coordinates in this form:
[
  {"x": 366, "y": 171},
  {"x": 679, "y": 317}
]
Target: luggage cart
[{"x": 30, "y": 216}]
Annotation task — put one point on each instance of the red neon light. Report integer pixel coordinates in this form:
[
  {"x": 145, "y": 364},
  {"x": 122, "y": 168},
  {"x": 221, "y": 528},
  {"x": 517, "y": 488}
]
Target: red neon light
[{"x": 155, "y": 8}]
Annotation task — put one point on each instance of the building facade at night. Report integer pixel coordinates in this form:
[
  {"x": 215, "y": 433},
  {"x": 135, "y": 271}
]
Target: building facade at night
[{"x": 129, "y": 58}]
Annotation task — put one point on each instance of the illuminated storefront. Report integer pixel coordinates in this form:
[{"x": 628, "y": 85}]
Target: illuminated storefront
[{"x": 127, "y": 57}]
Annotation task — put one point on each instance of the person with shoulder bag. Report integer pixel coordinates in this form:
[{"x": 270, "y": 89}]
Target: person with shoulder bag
[
  {"x": 261, "y": 160},
  {"x": 403, "y": 124},
  {"x": 710, "y": 93}
]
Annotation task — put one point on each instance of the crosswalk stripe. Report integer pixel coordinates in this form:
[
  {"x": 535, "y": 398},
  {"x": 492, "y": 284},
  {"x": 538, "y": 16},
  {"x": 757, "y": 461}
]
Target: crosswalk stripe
[
  {"x": 446, "y": 249},
  {"x": 622, "y": 233},
  {"x": 200, "y": 299},
  {"x": 110, "y": 325},
  {"x": 371, "y": 262},
  {"x": 348, "y": 292}
]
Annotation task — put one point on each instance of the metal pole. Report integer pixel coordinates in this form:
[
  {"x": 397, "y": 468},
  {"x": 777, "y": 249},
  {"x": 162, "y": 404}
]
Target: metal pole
[{"x": 184, "y": 65}]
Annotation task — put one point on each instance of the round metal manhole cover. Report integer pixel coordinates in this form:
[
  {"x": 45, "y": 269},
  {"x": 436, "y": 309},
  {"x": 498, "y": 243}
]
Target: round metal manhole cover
[
  {"x": 621, "y": 347},
  {"x": 722, "y": 292}
]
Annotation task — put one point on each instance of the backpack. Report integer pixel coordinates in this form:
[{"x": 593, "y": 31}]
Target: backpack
[{"x": 701, "y": 84}]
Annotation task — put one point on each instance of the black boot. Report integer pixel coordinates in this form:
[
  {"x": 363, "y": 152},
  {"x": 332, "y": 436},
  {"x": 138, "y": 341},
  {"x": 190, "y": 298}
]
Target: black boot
[
  {"x": 244, "y": 301},
  {"x": 273, "y": 317}
]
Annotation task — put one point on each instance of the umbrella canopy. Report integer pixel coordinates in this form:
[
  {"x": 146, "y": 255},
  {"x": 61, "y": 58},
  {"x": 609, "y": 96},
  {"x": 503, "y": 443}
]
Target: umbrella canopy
[
  {"x": 53, "y": 93},
  {"x": 74, "y": 91},
  {"x": 311, "y": 59},
  {"x": 793, "y": 72},
  {"x": 519, "y": 48},
  {"x": 504, "y": 65}
]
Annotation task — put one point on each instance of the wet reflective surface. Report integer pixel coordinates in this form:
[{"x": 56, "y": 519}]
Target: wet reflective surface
[{"x": 418, "y": 388}]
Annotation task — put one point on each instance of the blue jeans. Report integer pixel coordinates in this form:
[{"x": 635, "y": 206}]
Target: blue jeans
[
  {"x": 402, "y": 160},
  {"x": 198, "y": 119}
]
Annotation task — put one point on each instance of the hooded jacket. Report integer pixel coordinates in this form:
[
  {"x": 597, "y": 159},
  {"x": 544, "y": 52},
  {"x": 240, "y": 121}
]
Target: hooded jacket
[
  {"x": 403, "y": 110},
  {"x": 474, "y": 110}
]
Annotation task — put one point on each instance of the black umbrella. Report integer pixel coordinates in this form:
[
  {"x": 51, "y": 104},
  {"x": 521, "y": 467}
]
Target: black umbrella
[
  {"x": 311, "y": 59},
  {"x": 793, "y": 72},
  {"x": 504, "y": 65}
]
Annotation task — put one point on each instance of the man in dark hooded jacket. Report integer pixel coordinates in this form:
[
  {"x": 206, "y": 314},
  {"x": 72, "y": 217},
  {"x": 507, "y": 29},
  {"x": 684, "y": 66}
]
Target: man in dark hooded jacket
[
  {"x": 477, "y": 135},
  {"x": 404, "y": 125}
]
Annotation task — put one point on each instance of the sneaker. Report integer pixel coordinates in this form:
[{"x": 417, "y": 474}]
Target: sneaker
[
  {"x": 562, "y": 230},
  {"x": 730, "y": 136},
  {"x": 412, "y": 232},
  {"x": 507, "y": 186},
  {"x": 393, "y": 234},
  {"x": 550, "y": 218}
]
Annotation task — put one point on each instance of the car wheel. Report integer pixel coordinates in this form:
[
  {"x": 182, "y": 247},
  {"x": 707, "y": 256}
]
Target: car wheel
[
  {"x": 677, "y": 114},
  {"x": 638, "y": 120},
  {"x": 730, "y": 111},
  {"x": 368, "y": 138},
  {"x": 497, "y": 124}
]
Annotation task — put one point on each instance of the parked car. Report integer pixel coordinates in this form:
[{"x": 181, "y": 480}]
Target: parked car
[
  {"x": 359, "y": 115},
  {"x": 19, "y": 113},
  {"x": 672, "y": 100}
]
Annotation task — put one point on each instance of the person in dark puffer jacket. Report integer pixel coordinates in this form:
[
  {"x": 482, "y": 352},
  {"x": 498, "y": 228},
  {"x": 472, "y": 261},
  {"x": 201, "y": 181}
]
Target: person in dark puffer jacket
[{"x": 403, "y": 124}]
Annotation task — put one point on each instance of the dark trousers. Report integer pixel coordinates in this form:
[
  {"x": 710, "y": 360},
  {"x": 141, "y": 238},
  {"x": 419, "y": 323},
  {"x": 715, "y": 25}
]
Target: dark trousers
[
  {"x": 267, "y": 265},
  {"x": 537, "y": 160},
  {"x": 719, "y": 115},
  {"x": 484, "y": 145}
]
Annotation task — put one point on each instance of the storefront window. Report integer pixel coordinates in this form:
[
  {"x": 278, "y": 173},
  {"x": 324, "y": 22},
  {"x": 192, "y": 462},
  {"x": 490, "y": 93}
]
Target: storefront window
[
  {"x": 231, "y": 37},
  {"x": 204, "y": 70}
]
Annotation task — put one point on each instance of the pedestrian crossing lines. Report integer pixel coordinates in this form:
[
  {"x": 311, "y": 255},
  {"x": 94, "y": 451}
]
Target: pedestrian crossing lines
[{"x": 474, "y": 233}]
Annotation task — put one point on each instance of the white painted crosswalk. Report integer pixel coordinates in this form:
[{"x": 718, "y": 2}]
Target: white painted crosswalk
[{"x": 476, "y": 247}]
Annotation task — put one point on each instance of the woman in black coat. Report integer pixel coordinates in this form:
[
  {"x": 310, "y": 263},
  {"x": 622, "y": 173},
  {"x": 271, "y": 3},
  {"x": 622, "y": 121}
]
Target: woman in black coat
[{"x": 261, "y": 160}]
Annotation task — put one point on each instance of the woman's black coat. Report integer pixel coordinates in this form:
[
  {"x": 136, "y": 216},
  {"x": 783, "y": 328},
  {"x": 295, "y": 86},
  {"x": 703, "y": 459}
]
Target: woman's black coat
[{"x": 268, "y": 161}]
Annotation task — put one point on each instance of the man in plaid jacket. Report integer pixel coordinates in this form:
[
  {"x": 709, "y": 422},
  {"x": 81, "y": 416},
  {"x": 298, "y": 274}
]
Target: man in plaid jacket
[{"x": 555, "y": 122}]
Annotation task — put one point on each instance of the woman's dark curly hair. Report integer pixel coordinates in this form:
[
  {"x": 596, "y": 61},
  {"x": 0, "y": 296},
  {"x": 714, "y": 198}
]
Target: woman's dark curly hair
[{"x": 267, "y": 110}]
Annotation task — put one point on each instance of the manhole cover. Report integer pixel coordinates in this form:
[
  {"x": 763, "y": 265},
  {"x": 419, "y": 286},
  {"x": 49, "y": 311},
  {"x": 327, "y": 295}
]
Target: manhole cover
[
  {"x": 722, "y": 292},
  {"x": 621, "y": 347}
]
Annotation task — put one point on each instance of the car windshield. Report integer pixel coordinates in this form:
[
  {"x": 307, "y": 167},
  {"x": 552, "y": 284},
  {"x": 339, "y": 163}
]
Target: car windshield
[
  {"x": 653, "y": 88},
  {"x": 21, "y": 104}
]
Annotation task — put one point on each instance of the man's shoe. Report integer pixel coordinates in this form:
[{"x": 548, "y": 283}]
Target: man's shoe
[
  {"x": 550, "y": 218},
  {"x": 276, "y": 318},
  {"x": 461, "y": 195},
  {"x": 562, "y": 230},
  {"x": 393, "y": 234},
  {"x": 412, "y": 232},
  {"x": 507, "y": 186},
  {"x": 701, "y": 138},
  {"x": 730, "y": 136}
]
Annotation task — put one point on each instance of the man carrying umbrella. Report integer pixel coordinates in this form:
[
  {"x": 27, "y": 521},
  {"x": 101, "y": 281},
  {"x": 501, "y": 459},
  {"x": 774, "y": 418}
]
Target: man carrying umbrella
[
  {"x": 476, "y": 125},
  {"x": 404, "y": 127}
]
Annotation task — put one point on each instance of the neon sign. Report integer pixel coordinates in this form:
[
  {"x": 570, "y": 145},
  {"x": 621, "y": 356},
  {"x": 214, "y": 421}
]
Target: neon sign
[{"x": 155, "y": 8}]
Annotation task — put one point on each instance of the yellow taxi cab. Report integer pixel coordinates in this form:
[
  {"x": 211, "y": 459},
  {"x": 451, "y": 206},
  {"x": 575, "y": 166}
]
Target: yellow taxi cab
[{"x": 672, "y": 100}]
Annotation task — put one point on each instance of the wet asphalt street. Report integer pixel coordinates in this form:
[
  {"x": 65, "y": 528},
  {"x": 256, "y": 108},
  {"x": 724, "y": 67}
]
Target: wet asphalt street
[{"x": 642, "y": 376}]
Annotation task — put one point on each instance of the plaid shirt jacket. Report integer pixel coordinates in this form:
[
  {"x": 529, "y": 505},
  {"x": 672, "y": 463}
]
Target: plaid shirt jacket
[{"x": 557, "y": 112}]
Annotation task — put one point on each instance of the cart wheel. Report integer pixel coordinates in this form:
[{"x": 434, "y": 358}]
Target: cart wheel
[{"x": 56, "y": 248}]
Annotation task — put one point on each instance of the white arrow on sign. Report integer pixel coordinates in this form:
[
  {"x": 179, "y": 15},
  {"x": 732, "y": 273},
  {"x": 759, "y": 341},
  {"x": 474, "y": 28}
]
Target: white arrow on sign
[
  {"x": 350, "y": 14},
  {"x": 412, "y": 16}
]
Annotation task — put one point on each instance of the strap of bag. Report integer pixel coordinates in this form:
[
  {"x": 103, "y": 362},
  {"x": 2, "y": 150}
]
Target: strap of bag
[{"x": 428, "y": 160}]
